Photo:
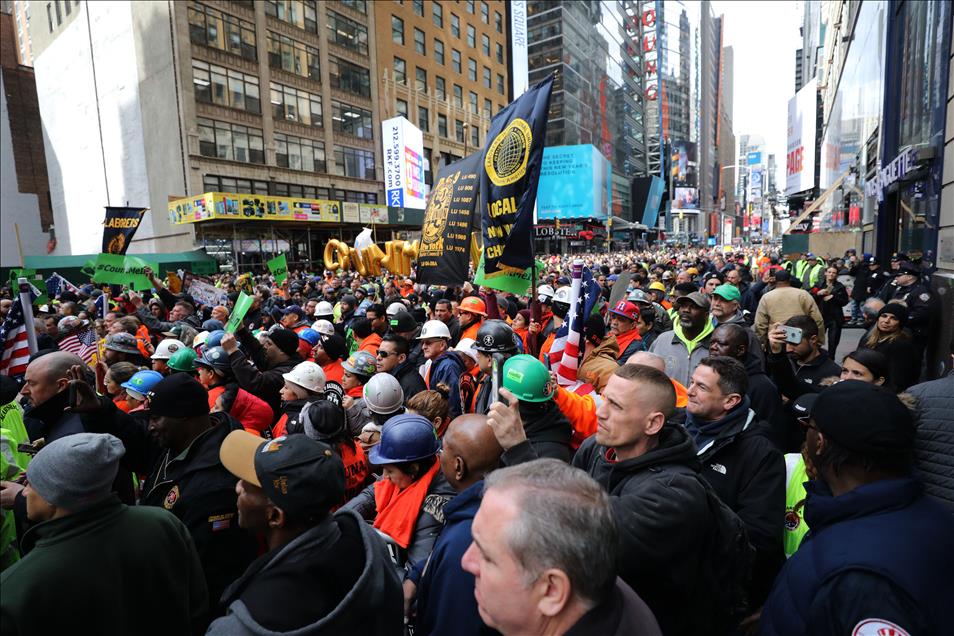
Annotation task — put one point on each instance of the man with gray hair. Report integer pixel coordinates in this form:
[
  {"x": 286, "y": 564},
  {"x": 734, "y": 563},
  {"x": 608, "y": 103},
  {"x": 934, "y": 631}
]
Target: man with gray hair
[{"x": 544, "y": 556}]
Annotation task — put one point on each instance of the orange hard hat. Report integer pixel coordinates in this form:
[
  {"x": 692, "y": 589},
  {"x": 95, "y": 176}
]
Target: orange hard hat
[{"x": 473, "y": 305}]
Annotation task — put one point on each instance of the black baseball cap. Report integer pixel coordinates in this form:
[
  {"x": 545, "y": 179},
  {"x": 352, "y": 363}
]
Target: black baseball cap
[
  {"x": 803, "y": 404},
  {"x": 301, "y": 476},
  {"x": 402, "y": 322},
  {"x": 864, "y": 418},
  {"x": 293, "y": 309},
  {"x": 179, "y": 395}
]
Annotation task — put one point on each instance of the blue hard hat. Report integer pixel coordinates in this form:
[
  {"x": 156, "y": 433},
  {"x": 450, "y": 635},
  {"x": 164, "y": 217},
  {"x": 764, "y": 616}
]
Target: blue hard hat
[
  {"x": 214, "y": 358},
  {"x": 310, "y": 336},
  {"x": 142, "y": 381},
  {"x": 214, "y": 339},
  {"x": 405, "y": 438}
]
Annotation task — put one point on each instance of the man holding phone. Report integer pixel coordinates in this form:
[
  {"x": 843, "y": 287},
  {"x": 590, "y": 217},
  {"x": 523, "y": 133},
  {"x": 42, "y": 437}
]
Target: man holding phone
[{"x": 784, "y": 302}]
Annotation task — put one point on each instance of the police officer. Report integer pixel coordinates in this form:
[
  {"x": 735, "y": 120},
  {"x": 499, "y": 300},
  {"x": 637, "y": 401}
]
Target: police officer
[
  {"x": 495, "y": 337},
  {"x": 907, "y": 287}
]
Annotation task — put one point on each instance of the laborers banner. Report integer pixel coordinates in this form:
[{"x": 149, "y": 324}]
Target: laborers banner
[
  {"x": 117, "y": 269},
  {"x": 445, "y": 236},
  {"x": 508, "y": 182},
  {"x": 119, "y": 227}
]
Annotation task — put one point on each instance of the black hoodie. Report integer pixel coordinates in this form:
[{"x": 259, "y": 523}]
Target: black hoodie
[{"x": 548, "y": 434}]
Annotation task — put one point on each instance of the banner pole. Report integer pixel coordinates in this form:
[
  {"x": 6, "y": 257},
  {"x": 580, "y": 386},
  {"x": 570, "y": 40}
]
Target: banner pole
[{"x": 26, "y": 303}]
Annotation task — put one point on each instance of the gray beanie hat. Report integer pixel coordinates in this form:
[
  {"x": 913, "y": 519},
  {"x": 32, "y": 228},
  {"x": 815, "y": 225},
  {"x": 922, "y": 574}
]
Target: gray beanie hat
[{"x": 76, "y": 471}]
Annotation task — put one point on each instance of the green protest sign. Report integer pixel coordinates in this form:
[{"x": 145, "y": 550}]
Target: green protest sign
[
  {"x": 117, "y": 269},
  {"x": 242, "y": 304},
  {"x": 278, "y": 266},
  {"x": 517, "y": 284}
]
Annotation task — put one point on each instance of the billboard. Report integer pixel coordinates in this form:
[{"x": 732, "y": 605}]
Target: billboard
[
  {"x": 403, "y": 145},
  {"x": 684, "y": 164},
  {"x": 685, "y": 199},
  {"x": 800, "y": 150},
  {"x": 231, "y": 206},
  {"x": 754, "y": 158},
  {"x": 755, "y": 185},
  {"x": 519, "y": 67},
  {"x": 575, "y": 183}
]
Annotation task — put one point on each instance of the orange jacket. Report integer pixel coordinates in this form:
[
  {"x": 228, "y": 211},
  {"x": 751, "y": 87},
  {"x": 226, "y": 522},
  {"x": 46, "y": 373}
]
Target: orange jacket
[
  {"x": 333, "y": 371},
  {"x": 371, "y": 344},
  {"x": 581, "y": 411},
  {"x": 547, "y": 345},
  {"x": 143, "y": 342},
  {"x": 471, "y": 331}
]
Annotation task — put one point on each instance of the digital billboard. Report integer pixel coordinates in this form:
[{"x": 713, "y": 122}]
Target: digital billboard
[
  {"x": 403, "y": 145},
  {"x": 800, "y": 157},
  {"x": 575, "y": 183},
  {"x": 685, "y": 199},
  {"x": 684, "y": 164}
]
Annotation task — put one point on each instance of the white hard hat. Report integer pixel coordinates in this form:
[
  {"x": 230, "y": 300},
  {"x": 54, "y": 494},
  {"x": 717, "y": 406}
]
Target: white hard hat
[
  {"x": 395, "y": 308},
  {"x": 544, "y": 293},
  {"x": 562, "y": 295},
  {"x": 466, "y": 346},
  {"x": 307, "y": 375},
  {"x": 200, "y": 339},
  {"x": 166, "y": 348},
  {"x": 434, "y": 329},
  {"x": 324, "y": 308},
  {"x": 383, "y": 394},
  {"x": 324, "y": 327}
]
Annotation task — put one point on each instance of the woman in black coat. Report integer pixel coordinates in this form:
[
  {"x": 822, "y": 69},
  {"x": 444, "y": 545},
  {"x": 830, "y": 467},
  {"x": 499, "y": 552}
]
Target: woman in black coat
[
  {"x": 889, "y": 337},
  {"x": 831, "y": 297}
]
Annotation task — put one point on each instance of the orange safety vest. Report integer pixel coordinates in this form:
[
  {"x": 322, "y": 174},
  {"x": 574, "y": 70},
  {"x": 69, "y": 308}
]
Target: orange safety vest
[
  {"x": 471, "y": 331},
  {"x": 355, "y": 469},
  {"x": 142, "y": 340}
]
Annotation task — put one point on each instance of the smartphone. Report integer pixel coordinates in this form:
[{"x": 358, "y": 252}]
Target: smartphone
[{"x": 793, "y": 335}]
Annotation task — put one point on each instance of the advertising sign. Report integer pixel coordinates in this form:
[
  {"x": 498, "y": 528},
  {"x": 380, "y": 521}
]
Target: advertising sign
[
  {"x": 519, "y": 68},
  {"x": 685, "y": 199},
  {"x": 575, "y": 183},
  {"x": 684, "y": 164},
  {"x": 403, "y": 145},
  {"x": 800, "y": 157},
  {"x": 754, "y": 158},
  {"x": 247, "y": 207}
]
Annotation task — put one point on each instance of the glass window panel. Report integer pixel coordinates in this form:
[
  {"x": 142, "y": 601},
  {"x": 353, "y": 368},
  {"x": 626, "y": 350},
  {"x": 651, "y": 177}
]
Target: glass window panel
[
  {"x": 455, "y": 26},
  {"x": 437, "y": 13},
  {"x": 419, "y": 42},
  {"x": 471, "y": 36},
  {"x": 397, "y": 30},
  {"x": 420, "y": 80}
]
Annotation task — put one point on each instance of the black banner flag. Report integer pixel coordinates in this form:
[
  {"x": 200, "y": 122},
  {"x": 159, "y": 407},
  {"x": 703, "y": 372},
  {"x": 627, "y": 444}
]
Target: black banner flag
[
  {"x": 508, "y": 182},
  {"x": 119, "y": 227},
  {"x": 445, "y": 235}
]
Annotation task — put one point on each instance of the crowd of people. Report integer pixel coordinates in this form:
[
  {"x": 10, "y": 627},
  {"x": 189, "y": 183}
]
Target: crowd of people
[{"x": 375, "y": 455}]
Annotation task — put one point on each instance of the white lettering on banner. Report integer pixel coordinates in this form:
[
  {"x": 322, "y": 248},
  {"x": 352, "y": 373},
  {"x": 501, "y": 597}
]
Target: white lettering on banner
[
  {"x": 520, "y": 74},
  {"x": 899, "y": 167}
]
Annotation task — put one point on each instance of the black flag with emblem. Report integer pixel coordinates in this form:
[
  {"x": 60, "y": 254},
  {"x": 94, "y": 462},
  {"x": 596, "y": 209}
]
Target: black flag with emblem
[
  {"x": 508, "y": 182},
  {"x": 445, "y": 236},
  {"x": 119, "y": 227}
]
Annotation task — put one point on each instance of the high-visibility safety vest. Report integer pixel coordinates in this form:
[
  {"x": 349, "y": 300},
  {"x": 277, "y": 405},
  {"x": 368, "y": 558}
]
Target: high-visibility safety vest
[
  {"x": 12, "y": 464},
  {"x": 795, "y": 527}
]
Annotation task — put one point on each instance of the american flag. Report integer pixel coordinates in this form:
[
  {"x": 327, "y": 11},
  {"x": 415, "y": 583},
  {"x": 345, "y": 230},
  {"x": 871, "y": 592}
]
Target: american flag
[
  {"x": 82, "y": 343},
  {"x": 13, "y": 334},
  {"x": 102, "y": 305},
  {"x": 56, "y": 285},
  {"x": 567, "y": 346}
]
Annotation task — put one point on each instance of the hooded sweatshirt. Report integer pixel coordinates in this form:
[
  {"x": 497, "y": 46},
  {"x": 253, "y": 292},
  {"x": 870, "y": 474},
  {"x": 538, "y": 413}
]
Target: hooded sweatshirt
[{"x": 333, "y": 579}]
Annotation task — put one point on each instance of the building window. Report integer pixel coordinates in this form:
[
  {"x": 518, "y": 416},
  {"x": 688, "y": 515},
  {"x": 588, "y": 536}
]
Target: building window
[
  {"x": 487, "y": 77},
  {"x": 439, "y": 52},
  {"x": 437, "y": 14},
  {"x": 222, "y": 140},
  {"x": 402, "y": 108},
  {"x": 400, "y": 71},
  {"x": 423, "y": 119},
  {"x": 458, "y": 96},
  {"x": 471, "y": 36},
  {"x": 485, "y": 44},
  {"x": 352, "y": 120},
  {"x": 470, "y": 6},
  {"x": 293, "y": 56},
  {"x": 473, "y": 103},
  {"x": 475, "y": 136},
  {"x": 455, "y": 26},
  {"x": 459, "y": 130},
  {"x": 472, "y": 69},
  {"x": 500, "y": 84},
  {"x": 455, "y": 60},
  {"x": 292, "y": 104},
  {"x": 397, "y": 30},
  {"x": 484, "y": 13},
  {"x": 225, "y": 87},
  {"x": 488, "y": 108},
  {"x": 349, "y": 77},
  {"x": 442, "y": 125},
  {"x": 420, "y": 83},
  {"x": 418, "y": 7},
  {"x": 354, "y": 162},
  {"x": 419, "y": 46},
  {"x": 347, "y": 33},
  {"x": 59, "y": 16},
  {"x": 299, "y": 153},
  {"x": 360, "y": 6},
  {"x": 216, "y": 183},
  {"x": 498, "y": 22},
  {"x": 301, "y": 13},
  {"x": 217, "y": 30},
  {"x": 440, "y": 88},
  {"x": 499, "y": 48}
]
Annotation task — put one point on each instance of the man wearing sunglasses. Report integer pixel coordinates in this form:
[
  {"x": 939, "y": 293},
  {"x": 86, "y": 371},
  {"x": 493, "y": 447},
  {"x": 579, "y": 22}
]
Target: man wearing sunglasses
[{"x": 392, "y": 357}]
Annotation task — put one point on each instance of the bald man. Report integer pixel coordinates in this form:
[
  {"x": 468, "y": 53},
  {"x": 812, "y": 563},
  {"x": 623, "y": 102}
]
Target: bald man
[
  {"x": 445, "y": 602},
  {"x": 658, "y": 362}
]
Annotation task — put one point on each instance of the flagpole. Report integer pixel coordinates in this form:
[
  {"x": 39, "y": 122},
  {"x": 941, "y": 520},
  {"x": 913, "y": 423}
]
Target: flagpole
[{"x": 26, "y": 303}]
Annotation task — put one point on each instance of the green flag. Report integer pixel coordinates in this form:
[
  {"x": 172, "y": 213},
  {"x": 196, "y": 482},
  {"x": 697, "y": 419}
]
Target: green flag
[
  {"x": 278, "y": 266},
  {"x": 517, "y": 284},
  {"x": 242, "y": 304},
  {"x": 117, "y": 269}
]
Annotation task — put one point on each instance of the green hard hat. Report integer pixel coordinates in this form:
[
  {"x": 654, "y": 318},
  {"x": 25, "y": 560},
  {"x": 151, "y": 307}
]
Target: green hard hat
[
  {"x": 528, "y": 379},
  {"x": 183, "y": 360}
]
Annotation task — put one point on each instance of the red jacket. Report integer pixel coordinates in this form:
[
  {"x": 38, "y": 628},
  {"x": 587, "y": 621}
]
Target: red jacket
[{"x": 253, "y": 412}]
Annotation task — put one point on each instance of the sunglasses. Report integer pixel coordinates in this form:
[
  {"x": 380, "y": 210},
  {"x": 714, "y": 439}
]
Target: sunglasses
[{"x": 384, "y": 355}]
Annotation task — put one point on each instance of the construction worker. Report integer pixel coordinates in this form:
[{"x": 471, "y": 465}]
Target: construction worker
[
  {"x": 495, "y": 338},
  {"x": 471, "y": 312}
]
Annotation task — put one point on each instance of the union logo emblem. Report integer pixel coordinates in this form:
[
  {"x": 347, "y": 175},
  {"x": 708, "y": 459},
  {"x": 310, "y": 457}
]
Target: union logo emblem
[
  {"x": 171, "y": 498},
  {"x": 507, "y": 155}
]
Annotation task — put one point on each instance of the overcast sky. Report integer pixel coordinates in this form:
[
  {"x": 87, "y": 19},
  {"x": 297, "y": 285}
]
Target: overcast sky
[{"x": 764, "y": 37}]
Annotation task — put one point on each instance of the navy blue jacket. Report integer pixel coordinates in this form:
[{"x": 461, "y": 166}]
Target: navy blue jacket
[
  {"x": 880, "y": 553},
  {"x": 445, "y": 598},
  {"x": 446, "y": 369}
]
